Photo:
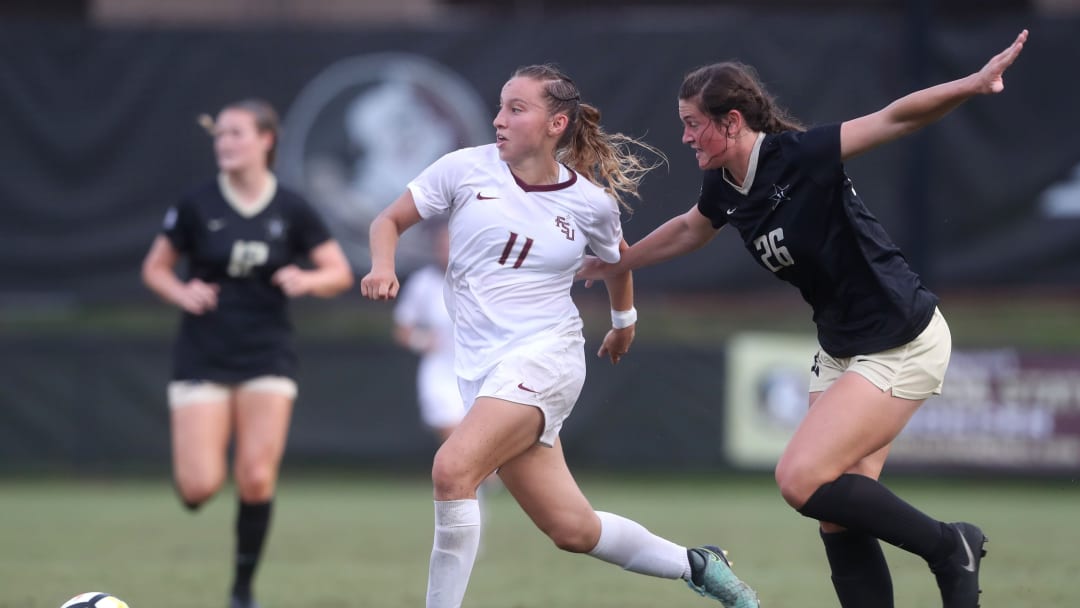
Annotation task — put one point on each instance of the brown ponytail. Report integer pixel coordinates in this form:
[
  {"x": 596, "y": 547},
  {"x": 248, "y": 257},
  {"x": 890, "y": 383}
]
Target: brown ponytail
[{"x": 722, "y": 87}]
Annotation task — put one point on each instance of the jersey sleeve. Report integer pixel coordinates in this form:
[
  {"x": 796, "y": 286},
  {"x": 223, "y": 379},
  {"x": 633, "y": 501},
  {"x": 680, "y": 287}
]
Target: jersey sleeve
[
  {"x": 178, "y": 225},
  {"x": 309, "y": 229},
  {"x": 710, "y": 200},
  {"x": 817, "y": 151},
  {"x": 604, "y": 232},
  {"x": 433, "y": 190}
]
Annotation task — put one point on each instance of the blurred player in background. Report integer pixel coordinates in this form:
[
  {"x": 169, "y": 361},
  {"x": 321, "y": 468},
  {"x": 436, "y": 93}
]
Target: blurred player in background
[
  {"x": 422, "y": 325},
  {"x": 234, "y": 369},
  {"x": 521, "y": 213},
  {"x": 884, "y": 343}
]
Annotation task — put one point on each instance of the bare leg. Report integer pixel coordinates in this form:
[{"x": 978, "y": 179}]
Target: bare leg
[
  {"x": 200, "y": 442},
  {"x": 262, "y": 424}
]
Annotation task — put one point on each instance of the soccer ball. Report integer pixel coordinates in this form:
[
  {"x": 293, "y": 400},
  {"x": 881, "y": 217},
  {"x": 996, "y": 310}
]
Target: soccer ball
[{"x": 94, "y": 599}]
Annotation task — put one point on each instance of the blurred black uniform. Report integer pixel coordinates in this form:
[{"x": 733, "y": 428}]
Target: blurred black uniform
[
  {"x": 249, "y": 333},
  {"x": 800, "y": 217}
]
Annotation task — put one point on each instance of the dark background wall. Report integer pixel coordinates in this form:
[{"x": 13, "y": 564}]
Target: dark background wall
[{"x": 99, "y": 131}]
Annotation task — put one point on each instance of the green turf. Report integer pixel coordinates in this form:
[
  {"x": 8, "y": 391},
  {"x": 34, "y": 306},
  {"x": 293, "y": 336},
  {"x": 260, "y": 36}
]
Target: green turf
[{"x": 354, "y": 541}]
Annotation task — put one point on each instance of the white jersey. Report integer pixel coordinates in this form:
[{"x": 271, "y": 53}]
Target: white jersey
[{"x": 514, "y": 250}]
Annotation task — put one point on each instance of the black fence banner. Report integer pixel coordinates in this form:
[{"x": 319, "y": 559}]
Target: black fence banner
[{"x": 99, "y": 135}]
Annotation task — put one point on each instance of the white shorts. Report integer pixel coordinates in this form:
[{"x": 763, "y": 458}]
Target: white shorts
[
  {"x": 439, "y": 396},
  {"x": 547, "y": 374},
  {"x": 186, "y": 392},
  {"x": 915, "y": 370}
]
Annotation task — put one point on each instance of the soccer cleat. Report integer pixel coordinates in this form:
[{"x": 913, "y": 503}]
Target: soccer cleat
[
  {"x": 711, "y": 576},
  {"x": 958, "y": 575}
]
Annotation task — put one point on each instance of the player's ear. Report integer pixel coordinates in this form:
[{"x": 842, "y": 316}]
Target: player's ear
[
  {"x": 268, "y": 141},
  {"x": 267, "y": 138},
  {"x": 732, "y": 123},
  {"x": 558, "y": 124}
]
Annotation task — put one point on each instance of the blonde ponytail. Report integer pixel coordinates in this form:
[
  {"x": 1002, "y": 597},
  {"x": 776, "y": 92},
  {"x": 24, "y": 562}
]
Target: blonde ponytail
[{"x": 609, "y": 160}]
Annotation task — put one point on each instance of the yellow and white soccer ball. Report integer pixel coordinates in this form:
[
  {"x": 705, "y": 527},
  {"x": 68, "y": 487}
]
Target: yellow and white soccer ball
[{"x": 94, "y": 599}]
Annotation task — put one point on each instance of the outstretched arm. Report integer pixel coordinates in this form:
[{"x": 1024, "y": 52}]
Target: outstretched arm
[
  {"x": 916, "y": 110},
  {"x": 677, "y": 236},
  {"x": 681, "y": 234},
  {"x": 382, "y": 282}
]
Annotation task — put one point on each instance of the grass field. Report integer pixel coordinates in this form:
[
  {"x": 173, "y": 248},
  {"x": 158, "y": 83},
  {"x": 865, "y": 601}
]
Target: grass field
[{"x": 360, "y": 541}]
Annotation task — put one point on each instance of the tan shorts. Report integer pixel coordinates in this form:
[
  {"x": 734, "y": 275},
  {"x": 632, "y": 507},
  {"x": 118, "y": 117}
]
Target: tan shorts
[
  {"x": 186, "y": 392},
  {"x": 914, "y": 371},
  {"x": 547, "y": 374}
]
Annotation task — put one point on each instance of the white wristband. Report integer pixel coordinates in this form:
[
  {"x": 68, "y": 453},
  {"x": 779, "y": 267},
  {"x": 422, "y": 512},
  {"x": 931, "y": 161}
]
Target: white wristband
[{"x": 623, "y": 318}]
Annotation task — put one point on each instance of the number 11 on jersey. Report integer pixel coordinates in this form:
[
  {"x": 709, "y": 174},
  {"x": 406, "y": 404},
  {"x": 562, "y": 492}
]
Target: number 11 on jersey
[{"x": 510, "y": 247}]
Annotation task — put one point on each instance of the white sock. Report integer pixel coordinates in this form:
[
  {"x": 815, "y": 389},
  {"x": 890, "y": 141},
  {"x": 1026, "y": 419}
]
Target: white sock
[
  {"x": 628, "y": 544},
  {"x": 457, "y": 537}
]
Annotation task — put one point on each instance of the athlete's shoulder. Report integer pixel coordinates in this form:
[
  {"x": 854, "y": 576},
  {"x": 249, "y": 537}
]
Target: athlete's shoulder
[
  {"x": 797, "y": 140},
  {"x": 816, "y": 151},
  {"x": 289, "y": 197},
  {"x": 596, "y": 195},
  {"x": 462, "y": 162},
  {"x": 287, "y": 192}
]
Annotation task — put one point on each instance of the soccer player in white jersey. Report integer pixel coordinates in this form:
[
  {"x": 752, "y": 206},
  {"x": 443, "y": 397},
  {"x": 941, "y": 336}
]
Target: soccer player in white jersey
[
  {"x": 422, "y": 325},
  {"x": 521, "y": 213}
]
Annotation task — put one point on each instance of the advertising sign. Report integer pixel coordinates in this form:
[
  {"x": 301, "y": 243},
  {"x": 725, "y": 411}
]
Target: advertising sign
[{"x": 1000, "y": 410}]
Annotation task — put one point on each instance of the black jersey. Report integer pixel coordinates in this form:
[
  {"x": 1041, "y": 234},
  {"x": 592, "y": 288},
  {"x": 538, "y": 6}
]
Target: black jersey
[
  {"x": 249, "y": 333},
  {"x": 800, "y": 217}
]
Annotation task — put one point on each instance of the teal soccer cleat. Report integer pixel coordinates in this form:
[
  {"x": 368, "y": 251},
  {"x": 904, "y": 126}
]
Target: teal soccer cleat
[{"x": 711, "y": 576}]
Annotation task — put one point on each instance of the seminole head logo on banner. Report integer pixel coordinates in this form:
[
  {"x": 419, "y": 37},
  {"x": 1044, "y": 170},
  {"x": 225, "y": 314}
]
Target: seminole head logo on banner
[{"x": 365, "y": 126}]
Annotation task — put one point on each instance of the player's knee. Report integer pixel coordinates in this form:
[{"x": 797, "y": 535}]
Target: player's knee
[
  {"x": 576, "y": 534},
  {"x": 193, "y": 494},
  {"x": 796, "y": 483},
  {"x": 451, "y": 478},
  {"x": 256, "y": 482}
]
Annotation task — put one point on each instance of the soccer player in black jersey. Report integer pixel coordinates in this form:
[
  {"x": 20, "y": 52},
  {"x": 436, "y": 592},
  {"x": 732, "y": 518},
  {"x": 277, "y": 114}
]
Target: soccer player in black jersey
[
  {"x": 884, "y": 344},
  {"x": 234, "y": 367}
]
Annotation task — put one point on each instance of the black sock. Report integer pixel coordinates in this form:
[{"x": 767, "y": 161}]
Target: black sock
[
  {"x": 861, "y": 504},
  {"x": 860, "y": 573},
  {"x": 252, "y": 523}
]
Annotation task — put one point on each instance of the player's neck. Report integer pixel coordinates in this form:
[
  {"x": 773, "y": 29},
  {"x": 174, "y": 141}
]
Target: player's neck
[
  {"x": 249, "y": 184},
  {"x": 739, "y": 168},
  {"x": 537, "y": 172}
]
